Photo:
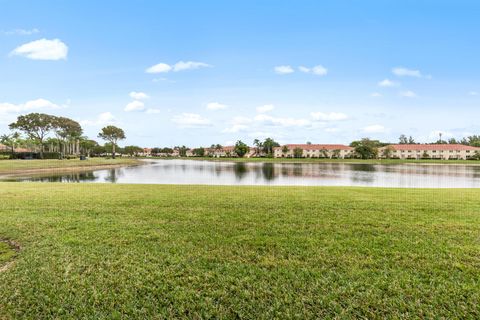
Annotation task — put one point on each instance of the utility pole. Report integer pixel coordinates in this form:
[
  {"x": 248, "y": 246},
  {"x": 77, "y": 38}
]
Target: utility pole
[{"x": 440, "y": 137}]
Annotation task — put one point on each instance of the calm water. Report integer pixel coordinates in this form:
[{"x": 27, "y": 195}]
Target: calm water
[{"x": 299, "y": 174}]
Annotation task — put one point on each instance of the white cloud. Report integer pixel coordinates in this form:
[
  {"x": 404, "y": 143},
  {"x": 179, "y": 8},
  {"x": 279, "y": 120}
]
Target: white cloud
[
  {"x": 376, "y": 128},
  {"x": 189, "y": 65},
  {"x": 134, "y": 106},
  {"x": 329, "y": 116},
  {"x": 408, "y": 94},
  {"x": 104, "y": 118},
  {"x": 473, "y": 93},
  {"x": 42, "y": 49},
  {"x": 265, "y": 108},
  {"x": 332, "y": 130},
  {"x": 190, "y": 120},
  {"x": 179, "y": 66},
  {"x": 159, "y": 68},
  {"x": 21, "y": 32},
  {"x": 387, "y": 83},
  {"x": 153, "y": 111},
  {"x": 138, "y": 95},
  {"x": 235, "y": 128},
  {"x": 376, "y": 95},
  {"x": 238, "y": 124},
  {"x": 216, "y": 106},
  {"x": 265, "y": 134},
  {"x": 283, "y": 70},
  {"x": 37, "y": 104},
  {"x": 282, "y": 122},
  {"x": 405, "y": 72},
  {"x": 318, "y": 70}
]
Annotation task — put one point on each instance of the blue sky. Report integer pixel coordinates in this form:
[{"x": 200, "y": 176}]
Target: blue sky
[{"x": 203, "y": 72}]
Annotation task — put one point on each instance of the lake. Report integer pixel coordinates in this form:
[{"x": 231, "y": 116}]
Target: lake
[{"x": 281, "y": 174}]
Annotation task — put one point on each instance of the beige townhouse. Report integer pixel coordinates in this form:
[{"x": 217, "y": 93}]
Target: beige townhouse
[
  {"x": 428, "y": 151},
  {"x": 339, "y": 151}
]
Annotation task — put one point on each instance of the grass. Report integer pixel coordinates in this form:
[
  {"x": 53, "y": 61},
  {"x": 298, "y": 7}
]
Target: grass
[
  {"x": 19, "y": 166},
  {"x": 317, "y": 160},
  {"x": 6, "y": 253},
  {"x": 155, "y": 252}
]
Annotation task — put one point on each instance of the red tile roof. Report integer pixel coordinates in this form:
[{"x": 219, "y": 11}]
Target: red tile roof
[
  {"x": 317, "y": 147},
  {"x": 437, "y": 147}
]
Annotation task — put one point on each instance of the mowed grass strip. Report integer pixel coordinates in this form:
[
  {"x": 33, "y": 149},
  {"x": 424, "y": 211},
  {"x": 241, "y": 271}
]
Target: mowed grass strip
[
  {"x": 153, "y": 252},
  {"x": 18, "y": 166}
]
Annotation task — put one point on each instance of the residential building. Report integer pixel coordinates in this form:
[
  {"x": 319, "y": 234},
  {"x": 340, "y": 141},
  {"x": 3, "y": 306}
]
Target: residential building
[
  {"x": 428, "y": 151},
  {"x": 227, "y": 151},
  {"x": 339, "y": 151}
]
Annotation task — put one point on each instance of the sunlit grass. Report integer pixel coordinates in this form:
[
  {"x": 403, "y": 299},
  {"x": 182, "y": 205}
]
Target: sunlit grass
[
  {"x": 15, "y": 166},
  {"x": 153, "y": 252},
  {"x": 6, "y": 253}
]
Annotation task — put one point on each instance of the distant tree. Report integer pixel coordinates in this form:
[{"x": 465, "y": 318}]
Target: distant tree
[
  {"x": 166, "y": 150},
  {"x": 366, "y": 148},
  {"x": 10, "y": 140},
  {"x": 113, "y": 135},
  {"x": 155, "y": 151},
  {"x": 336, "y": 154},
  {"x": 387, "y": 152},
  {"x": 452, "y": 141},
  {"x": 258, "y": 146},
  {"x": 476, "y": 156},
  {"x": 474, "y": 141},
  {"x": 425, "y": 155},
  {"x": 309, "y": 143},
  {"x": 268, "y": 146},
  {"x": 132, "y": 150},
  {"x": 241, "y": 148},
  {"x": 36, "y": 126},
  {"x": 98, "y": 150},
  {"x": 403, "y": 139},
  {"x": 182, "y": 151},
  {"x": 297, "y": 153},
  {"x": 324, "y": 153},
  {"x": 87, "y": 146},
  {"x": 110, "y": 146},
  {"x": 66, "y": 130},
  {"x": 285, "y": 149},
  {"x": 411, "y": 140},
  {"x": 199, "y": 152}
]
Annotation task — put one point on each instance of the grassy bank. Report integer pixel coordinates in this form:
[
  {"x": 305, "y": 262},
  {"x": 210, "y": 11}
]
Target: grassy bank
[
  {"x": 8, "y": 167},
  {"x": 152, "y": 252},
  {"x": 315, "y": 160}
]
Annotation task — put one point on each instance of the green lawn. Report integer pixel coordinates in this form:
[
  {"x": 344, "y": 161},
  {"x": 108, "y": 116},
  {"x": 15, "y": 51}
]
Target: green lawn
[
  {"x": 154, "y": 252},
  {"x": 18, "y": 166},
  {"x": 6, "y": 253}
]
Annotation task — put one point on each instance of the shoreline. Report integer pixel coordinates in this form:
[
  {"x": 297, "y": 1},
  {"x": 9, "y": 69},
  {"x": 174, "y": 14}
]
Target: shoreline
[
  {"x": 80, "y": 167},
  {"x": 325, "y": 161}
]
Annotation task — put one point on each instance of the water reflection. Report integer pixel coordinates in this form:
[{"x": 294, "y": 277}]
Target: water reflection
[
  {"x": 268, "y": 171},
  {"x": 240, "y": 170},
  {"x": 306, "y": 174}
]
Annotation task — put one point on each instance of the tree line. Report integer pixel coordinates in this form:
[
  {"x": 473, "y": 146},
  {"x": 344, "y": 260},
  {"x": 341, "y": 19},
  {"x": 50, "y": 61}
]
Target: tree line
[{"x": 56, "y": 134}]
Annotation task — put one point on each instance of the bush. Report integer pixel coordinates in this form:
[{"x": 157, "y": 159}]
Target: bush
[{"x": 34, "y": 155}]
